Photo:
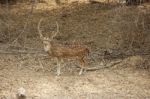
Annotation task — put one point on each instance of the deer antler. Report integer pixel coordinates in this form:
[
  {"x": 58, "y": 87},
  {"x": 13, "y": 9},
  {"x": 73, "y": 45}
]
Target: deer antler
[
  {"x": 62, "y": 51},
  {"x": 55, "y": 33},
  {"x": 39, "y": 31}
]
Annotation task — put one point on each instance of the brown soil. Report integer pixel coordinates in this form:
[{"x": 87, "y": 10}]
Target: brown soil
[{"x": 96, "y": 26}]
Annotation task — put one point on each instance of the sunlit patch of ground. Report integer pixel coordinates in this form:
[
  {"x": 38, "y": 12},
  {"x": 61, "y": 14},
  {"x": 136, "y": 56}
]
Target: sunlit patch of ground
[{"x": 116, "y": 82}]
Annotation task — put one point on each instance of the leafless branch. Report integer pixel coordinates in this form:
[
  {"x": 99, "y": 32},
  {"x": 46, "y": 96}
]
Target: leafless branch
[{"x": 26, "y": 22}]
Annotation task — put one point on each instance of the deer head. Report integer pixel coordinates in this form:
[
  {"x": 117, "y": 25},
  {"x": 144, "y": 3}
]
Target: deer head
[{"x": 47, "y": 41}]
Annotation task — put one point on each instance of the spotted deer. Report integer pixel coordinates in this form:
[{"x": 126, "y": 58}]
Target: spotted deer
[{"x": 62, "y": 51}]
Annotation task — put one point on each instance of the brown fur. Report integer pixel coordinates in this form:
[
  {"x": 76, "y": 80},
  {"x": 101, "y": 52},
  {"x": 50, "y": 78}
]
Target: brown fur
[
  {"x": 61, "y": 51},
  {"x": 69, "y": 51}
]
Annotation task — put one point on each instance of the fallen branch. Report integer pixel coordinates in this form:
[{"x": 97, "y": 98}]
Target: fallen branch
[
  {"x": 106, "y": 66},
  {"x": 23, "y": 48},
  {"x": 21, "y": 52}
]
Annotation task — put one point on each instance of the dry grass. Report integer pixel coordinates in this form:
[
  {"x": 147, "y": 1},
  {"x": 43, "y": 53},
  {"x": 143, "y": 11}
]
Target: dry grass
[
  {"x": 119, "y": 29},
  {"x": 124, "y": 27}
]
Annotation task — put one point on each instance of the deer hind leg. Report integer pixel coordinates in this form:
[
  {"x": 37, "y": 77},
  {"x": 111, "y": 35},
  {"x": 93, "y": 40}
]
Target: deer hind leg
[
  {"x": 82, "y": 65},
  {"x": 58, "y": 66}
]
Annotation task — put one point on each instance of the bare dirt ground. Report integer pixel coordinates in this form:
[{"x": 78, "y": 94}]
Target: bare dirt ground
[
  {"x": 119, "y": 82},
  {"x": 101, "y": 27}
]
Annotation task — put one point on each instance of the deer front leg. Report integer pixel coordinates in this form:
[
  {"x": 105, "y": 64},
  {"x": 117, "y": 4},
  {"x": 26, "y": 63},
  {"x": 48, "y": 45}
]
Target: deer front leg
[
  {"x": 59, "y": 61},
  {"x": 81, "y": 71},
  {"x": 82, "y": 66},
  {"x": 58, "y": 66}
]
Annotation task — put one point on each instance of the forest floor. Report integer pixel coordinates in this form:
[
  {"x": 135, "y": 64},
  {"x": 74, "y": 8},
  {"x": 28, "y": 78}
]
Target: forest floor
[{"x": 23, "y": 62}]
